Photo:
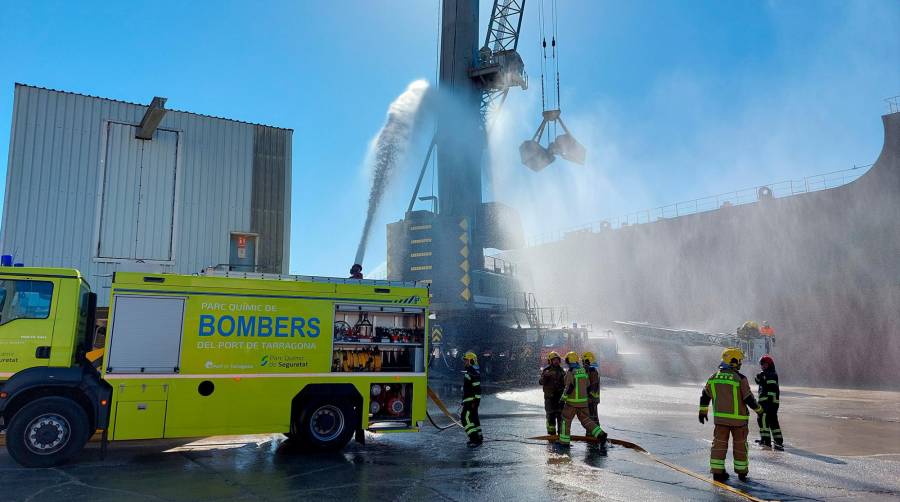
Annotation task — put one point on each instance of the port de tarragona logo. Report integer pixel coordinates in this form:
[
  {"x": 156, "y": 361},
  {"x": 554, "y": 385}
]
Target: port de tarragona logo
[{"x": 264, "y": 361}]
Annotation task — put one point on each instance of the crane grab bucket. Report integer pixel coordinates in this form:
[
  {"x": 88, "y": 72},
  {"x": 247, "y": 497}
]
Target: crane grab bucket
[
  {"x": 534, "y": 155},
  {"x": 567, "y": 147}
]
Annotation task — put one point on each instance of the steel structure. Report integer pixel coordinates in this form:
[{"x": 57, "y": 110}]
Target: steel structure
[
  {"x": 445, "y": 246},
  {"x": 499, "y": 50}
]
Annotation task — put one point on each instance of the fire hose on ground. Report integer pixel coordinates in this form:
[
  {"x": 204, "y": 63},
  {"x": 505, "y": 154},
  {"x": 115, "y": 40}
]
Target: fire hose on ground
[{"x": 619, "y": 442}]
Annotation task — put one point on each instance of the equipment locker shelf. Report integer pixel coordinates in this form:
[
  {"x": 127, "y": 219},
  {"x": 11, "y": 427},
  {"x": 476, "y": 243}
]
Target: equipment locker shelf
[{"x": 369, "y": 338}]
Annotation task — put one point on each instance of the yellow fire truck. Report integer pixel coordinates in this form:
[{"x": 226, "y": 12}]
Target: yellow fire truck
[{"x": 319, "y": 359}]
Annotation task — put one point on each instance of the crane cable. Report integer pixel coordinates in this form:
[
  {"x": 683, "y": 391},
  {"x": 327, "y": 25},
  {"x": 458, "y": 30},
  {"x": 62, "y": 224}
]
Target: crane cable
[
  {"x": 549, "y": 66},
  {"x": 555, "y": 59},
  {"x": 544, "y": 59},
  {"x": 555, "y": 52}
]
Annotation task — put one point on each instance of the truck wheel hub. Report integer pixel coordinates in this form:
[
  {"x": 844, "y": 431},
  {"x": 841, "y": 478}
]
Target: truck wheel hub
[
  {"x": 47, "y": 434},
  {"x": 327, "y": 423}
]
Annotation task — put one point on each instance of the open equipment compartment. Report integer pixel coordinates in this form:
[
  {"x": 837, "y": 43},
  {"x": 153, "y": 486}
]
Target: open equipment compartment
[{"x": 371, "y": 338}]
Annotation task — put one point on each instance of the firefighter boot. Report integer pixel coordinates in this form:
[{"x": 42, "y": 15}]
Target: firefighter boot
[
  {"x": 778, "y": 438},
  {"x": 742, "y": 476},
  {"x": 721, "y": 476}
]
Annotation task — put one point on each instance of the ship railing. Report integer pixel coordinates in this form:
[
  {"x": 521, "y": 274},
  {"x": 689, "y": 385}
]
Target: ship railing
[{"x": 749, "y": 195}]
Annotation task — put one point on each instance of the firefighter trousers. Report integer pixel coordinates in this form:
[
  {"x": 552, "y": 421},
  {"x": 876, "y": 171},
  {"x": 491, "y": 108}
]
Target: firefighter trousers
[
  {"x": 553, "y": 409},
  {"x": 720, "y": 448},
  {"x": 592, "y": 410},
  {"x": 470, "y": 420},
  {"x": 769, "y": 428},
  {"x": 569, "y": 413}
]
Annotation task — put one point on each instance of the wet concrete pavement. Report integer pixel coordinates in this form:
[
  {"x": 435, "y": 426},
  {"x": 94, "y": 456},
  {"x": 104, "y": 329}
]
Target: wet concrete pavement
[{"x": 832, "y": 454}]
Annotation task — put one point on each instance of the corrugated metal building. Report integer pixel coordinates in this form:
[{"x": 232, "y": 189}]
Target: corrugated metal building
[{"x": 82, "y": 190}]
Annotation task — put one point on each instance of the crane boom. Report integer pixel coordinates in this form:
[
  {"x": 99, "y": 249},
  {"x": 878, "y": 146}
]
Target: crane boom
[{"x": 499, "y": 58}]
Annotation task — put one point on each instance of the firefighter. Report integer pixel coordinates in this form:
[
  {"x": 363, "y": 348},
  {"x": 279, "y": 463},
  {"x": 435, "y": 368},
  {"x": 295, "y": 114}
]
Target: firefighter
[
  {"x": 767, "y": 379},
  {"x": 356, "y": 271},
  {"x": 471, "y": 399},
  {"x": 590, "y": 367},
  {"x": 731, "y": 398},
  {"x": 575, "y": 403},
  {"x": 553, "y": 379}
]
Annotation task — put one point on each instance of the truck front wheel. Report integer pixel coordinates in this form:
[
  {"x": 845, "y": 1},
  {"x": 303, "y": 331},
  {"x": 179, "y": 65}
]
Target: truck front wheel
[
  {"x": 327, "y": 424},
  {"x": 47, "y": 432}
]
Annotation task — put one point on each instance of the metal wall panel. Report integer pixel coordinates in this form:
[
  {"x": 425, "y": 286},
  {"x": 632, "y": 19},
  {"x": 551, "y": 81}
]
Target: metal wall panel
[
  {"x": 156, "y": 205},
  {"x": 54, "y": 191},
  {"x": 121, "y": 191},
  {"x": 267, "y": 203}
]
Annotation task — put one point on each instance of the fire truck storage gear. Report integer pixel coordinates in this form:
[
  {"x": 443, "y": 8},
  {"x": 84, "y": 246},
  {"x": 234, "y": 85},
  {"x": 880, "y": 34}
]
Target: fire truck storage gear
[
  {"x": 575, "y": 398},
  {"x": 769, "y": 393},
  {"x": 593, "y": 384},
  {"x": 553, "y": 380},
  {"x": 731, "y": 399},
  {"x": 471, "y": 399}
]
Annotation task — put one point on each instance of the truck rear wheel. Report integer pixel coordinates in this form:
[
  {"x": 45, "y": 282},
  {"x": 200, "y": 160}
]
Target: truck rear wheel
[
  {"x": 327, "y": 424},
  {"x": 47, "y": 432}
]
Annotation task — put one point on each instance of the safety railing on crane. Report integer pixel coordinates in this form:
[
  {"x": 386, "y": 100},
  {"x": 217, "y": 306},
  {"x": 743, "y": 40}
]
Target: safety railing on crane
[
  {"x": 538, "y": 316},
  {"x": 893, "y": 104},
  {"x": 781, "y": 189}
]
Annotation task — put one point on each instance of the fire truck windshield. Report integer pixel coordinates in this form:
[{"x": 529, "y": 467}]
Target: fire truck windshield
[{"x": 555, "y": 339}]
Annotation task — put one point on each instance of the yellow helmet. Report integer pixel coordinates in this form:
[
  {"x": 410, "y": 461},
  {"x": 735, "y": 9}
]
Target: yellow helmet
[
  {"x": 553, "y": 355},
  {"x": 470, "y": 356},
  {"x": 571, "y": 357},
  {"x": 589, "y": 357},
  {"x": 732, "y": 355}
]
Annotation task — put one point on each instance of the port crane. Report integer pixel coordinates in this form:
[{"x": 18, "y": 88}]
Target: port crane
[{"x": 443, "y": 246}]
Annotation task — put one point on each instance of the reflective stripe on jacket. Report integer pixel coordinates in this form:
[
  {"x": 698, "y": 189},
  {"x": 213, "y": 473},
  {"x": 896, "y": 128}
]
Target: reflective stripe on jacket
[
  {"x": 471, "y": 384},
  {"x": 768, "y": 391},
  {"x": 730, "y": 393},
  {"x": 576, "y": 387}
]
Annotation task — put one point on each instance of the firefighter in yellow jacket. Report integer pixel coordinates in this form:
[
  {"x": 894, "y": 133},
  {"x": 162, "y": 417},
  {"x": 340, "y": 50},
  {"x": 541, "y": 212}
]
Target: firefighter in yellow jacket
[
  {"x": 731, "y": 397},
  {"x": 575, "y": 399}
]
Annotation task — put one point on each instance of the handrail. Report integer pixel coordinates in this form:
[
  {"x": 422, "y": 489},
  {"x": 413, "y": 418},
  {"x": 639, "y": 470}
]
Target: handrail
[
  {"x": 748, "y": 195},
  {"x": 893, "y": 103}
]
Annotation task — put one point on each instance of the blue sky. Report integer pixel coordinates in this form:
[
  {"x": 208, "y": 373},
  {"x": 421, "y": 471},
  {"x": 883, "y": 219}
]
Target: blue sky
[{"x": 675, "y": 100}]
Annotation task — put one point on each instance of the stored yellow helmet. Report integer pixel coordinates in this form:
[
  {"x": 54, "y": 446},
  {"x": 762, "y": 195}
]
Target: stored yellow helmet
[
  {"x": 589, "y": 357},
  {"x": 553, "y": 355},
  {"x": 732, "y": 355},
  {"x": 470, "y": 356},
  {"x": 571, "y": 357}
]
